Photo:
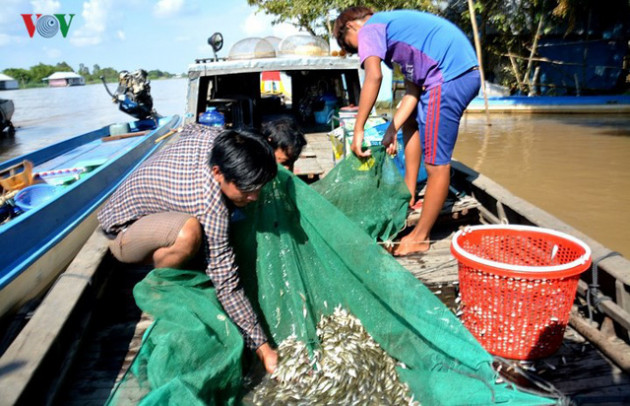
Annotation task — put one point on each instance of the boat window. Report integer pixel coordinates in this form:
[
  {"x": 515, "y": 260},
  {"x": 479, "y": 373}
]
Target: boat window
[{"x": 312, "y": 97}]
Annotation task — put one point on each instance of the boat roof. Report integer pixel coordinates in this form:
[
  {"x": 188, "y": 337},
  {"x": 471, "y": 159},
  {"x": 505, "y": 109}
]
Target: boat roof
[
  {"x": 63, "y": 75},
  {"x": 209, "y": 67},
  {"x": 4, "y": 77}
]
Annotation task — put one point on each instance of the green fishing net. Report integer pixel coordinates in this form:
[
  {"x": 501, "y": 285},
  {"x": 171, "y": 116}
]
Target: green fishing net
[
  {"x": 299, "y": 259},
  {"x": 191, "y": 354},
  {"x": 370, "y": 191}
]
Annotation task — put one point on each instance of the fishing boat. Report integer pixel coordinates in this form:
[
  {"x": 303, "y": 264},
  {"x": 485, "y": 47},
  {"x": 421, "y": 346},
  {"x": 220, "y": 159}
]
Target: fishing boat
[
  {"x": 613, "y": 104},
  {"x": 591, "y": 366},
  {"x": 54, "y": 195},
  {"x": 90, "y": 316},
  {"x": 6, "y": 113}
]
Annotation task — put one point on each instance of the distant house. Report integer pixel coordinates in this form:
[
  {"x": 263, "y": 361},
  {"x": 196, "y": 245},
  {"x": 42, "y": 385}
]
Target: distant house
[
  {"x": 60, "y": 79},
  {"x": 7, "y": 82}
]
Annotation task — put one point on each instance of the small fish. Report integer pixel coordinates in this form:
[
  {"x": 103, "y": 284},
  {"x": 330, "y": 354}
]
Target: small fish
[{"x": 349, "y": 368}]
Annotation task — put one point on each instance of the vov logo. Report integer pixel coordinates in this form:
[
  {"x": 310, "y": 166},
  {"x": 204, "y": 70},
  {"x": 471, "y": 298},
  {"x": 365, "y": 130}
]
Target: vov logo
[{"x": 47, "y": 25}]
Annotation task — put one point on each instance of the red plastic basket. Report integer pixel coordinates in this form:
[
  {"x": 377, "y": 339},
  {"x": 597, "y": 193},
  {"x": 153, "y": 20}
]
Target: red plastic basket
[{"x": 517, "y": 286}]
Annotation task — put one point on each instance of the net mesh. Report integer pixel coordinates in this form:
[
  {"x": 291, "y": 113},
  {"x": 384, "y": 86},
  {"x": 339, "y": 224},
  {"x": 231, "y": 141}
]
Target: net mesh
[
  {"x": 300, "y": 258},
  {"x": 369, "y": 191}
]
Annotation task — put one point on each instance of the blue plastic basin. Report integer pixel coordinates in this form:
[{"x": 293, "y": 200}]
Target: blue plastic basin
[{"x": 35, "y": 195}]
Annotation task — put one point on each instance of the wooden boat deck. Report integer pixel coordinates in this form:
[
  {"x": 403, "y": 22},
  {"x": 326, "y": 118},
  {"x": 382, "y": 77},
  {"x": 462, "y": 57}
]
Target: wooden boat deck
[
  {"x": 579, "y": 371},
  {"x": 112, "y": 341}
]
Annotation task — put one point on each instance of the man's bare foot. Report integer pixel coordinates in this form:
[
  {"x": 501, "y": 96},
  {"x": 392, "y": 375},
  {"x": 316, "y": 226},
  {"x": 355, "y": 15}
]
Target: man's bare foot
[{"x": 409, "y": 245}]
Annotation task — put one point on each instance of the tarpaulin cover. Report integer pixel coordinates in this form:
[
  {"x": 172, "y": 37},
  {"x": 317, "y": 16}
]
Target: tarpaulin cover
[
  {"x": 370, "y": 191},
  {"x": 299, "y": 258}
]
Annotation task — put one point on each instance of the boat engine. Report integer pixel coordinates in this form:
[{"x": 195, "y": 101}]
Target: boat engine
[{"x": 133, "y": 94}]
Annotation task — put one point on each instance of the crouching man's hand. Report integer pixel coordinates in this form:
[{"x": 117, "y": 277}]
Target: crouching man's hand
[{"x": 268, "y": 356}]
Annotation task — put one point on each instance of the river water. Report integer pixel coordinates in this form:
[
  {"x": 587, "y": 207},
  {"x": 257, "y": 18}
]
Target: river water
[
  {"x": 575, "y": 167},
  {"x": 50, "y": 114}
]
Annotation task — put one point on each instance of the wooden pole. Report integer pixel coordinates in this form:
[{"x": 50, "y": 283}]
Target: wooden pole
[
  {"x": 123, "y": 136},
  {"x": 517, "y": 74},
  {"x": 530, "y": 60},
  {"x": 473, "y": 20}
]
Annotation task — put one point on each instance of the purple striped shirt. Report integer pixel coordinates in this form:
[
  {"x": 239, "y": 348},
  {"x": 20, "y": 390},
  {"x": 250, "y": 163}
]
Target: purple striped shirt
[
  {"x": 430, "y": 50},
  {"x": 179, "y": 179}
]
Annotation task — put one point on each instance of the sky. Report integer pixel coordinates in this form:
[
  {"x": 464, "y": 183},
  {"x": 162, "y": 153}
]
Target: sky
[{"x": 127, "y": 34}]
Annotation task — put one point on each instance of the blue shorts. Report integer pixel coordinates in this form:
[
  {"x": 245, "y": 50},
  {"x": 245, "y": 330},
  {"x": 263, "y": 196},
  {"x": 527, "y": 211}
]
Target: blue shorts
[{"x": 439, "y": 112}]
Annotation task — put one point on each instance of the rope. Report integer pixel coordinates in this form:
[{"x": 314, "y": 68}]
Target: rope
[
  {"x": 389, "y": 243},
  {"x": 593, "y": 287},
  {"x": 8, "y": 196}
]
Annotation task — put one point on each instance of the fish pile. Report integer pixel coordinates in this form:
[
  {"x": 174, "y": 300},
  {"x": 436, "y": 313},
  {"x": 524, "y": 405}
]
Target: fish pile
[{"x": 349, "y": 368}]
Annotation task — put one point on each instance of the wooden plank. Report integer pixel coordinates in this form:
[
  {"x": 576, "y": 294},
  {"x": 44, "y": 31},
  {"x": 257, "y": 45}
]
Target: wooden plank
[
  {"x": 609, "y": 307},
  {"x": 32, "y": 354},
  {"x": 616, "y": 350},
  {"x": 308, "y": 167},
  {"x": 168, "y": 134},
  {"x": 127, "y": 135},
  {"x": 320, "y": 145},
  {"x": 111, "y": 342},
  {"x": 434, "y": 267}
]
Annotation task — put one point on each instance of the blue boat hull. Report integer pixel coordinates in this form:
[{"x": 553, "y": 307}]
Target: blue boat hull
[
  {"x": 40, "y": 243},
  {"x": 552, "y": 104}
]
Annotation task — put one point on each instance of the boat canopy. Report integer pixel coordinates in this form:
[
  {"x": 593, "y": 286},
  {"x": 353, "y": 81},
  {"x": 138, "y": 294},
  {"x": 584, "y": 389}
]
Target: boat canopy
[{"x": 206, "y": 67}]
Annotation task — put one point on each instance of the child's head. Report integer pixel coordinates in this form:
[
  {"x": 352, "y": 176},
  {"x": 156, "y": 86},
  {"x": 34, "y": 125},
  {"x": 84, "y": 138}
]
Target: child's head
[
  {"x": 345, "y": 32},
  {"x": 286, "y": 139}
]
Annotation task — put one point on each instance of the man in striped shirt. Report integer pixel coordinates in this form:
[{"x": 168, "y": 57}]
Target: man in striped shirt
[{"x": 179, "y": 201}]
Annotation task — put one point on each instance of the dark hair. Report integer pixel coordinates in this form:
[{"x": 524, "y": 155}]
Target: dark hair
[
  {"x": 341, "y": 28},
  {"x": 244, "y": 158},
  {"x": 284, "y": 133}
]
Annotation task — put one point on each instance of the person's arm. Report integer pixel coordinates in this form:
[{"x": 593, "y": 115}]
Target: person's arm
[
  {"x": 408, "y": 105},
  {"x": 369, "y": 92},
  {"x": 223, "y": 272}
]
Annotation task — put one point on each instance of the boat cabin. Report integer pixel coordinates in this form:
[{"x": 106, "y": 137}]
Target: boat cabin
[{"x": 308, "y": 89}]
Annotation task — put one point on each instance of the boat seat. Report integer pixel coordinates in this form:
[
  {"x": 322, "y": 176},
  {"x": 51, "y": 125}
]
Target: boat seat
[{"x": 17, "y": 176}]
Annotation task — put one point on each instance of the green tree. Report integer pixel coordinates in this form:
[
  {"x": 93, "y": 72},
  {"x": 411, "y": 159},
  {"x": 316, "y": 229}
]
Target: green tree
[
  {"x": 158, "y": 74},
  {"x": 33, "y": 76},
  {"x": 510, "y": 31},
  {"x": 110, "y": 74},
  {"x": 63, "y": 67},
  {"x": 311, "y": 15},
  {"x": 83, "y": 71},
  {"x": 41, "y": 71}
]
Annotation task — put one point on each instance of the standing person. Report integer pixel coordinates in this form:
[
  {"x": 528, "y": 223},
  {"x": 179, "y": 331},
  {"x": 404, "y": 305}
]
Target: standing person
[
  {"x": 179, "y": 202},
  {"x": 441, "y": 78}
]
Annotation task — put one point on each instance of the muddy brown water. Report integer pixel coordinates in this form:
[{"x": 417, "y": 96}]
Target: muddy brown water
[{"x": 575, "y": 167}]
